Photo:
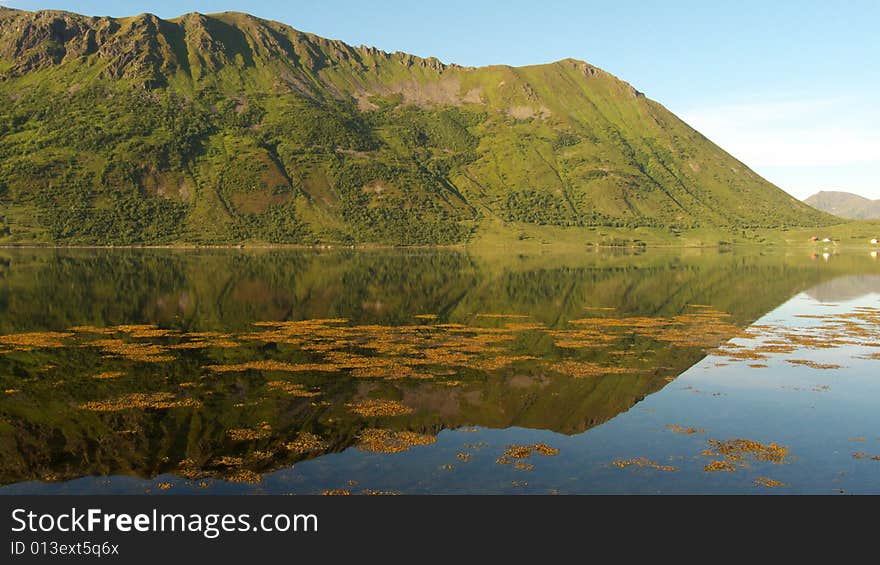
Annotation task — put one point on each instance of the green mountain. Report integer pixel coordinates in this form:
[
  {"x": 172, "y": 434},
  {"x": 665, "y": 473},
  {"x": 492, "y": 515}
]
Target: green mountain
[
  {"x": 845, "y": 205},
  {"x": 228, "y": 128}
]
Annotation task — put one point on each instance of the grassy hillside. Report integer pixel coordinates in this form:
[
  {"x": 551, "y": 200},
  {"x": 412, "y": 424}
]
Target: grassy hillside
[
  {"x": 229, "y": 129},
  {"x": 845, "y": 205}
]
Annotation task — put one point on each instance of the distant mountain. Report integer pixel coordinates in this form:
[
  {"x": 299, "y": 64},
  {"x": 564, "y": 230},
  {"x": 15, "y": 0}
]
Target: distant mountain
[
  {"x": 228, "y": 128},
  {"x": 845, "y": 205}
]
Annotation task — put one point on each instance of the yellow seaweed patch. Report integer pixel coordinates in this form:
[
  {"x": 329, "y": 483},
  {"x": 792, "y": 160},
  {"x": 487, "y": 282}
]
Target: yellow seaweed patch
[
  {"x": 674, "y": 428},
  {"x": 292, "y": 389},
  {"x": 390, "y": 441},
  {"x": 243, "y": 476},
  {"x": 92, "y": 330},
  {"x": 129, "y": 328},
  {"x": 374, "y": 407},
  {"x": 133, "y": 351},
  {"x": 584, "y": 369},
  {"x": 426, "y": 316},
  {"x": 768, "y": 483},
  {"x": 519, "y": 452},
  {"x": 812, "y": 364},
  {"x": 190, "y": 345},
  {"x": 494, "y": 316},
  {"x": 268, "y": 365},
  {"x": 834, "y": 330},
  {"x": 149, "y": 333},
  {"x": 499, "y": 362},
  {"x": 524, "y": 326},
  {"x": 108, "y": 375},
  {"x": 719, "y": 465},
  {"x": 545, "y": 450},
  {"x": 246, "y": 434},
  {"x": 140, "y": 400},
  {"x": 306, "y": 443},
  {"x": 642, "y": 462},
  {"x": 35, "y": 340},
  {"x": 302, "y": 324},
  {"x": 738, "y": 452}
]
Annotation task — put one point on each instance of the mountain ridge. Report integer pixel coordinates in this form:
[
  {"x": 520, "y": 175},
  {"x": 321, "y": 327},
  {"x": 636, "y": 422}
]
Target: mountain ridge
[
  {"x": 227, "y": 128},
  {"x": 845, "y": 204}
]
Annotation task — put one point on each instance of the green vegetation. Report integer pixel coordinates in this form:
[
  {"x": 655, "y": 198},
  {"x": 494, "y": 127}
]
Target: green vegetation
[{"x": 230, "y": 129}]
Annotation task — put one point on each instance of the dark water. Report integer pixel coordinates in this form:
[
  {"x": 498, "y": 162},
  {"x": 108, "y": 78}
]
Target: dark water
[{"x": 160, "y": 371}]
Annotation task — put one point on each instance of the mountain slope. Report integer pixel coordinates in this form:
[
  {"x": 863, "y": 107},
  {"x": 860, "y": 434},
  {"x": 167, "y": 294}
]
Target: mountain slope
[
  {"x": 845, "y": 205},
  {"x": 228, "y": 128}
]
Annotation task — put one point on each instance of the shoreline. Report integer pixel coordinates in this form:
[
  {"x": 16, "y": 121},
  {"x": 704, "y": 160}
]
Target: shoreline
[{"x": 459, "y": 247}]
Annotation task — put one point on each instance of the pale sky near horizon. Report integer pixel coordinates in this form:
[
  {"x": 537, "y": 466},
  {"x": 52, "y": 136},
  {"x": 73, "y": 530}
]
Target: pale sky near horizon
[{"x": 788, "y": 87}]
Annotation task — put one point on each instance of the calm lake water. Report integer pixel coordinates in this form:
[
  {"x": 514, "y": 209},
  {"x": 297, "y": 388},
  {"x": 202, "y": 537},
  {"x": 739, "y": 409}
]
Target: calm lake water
[{"x": 270, "y": 371}]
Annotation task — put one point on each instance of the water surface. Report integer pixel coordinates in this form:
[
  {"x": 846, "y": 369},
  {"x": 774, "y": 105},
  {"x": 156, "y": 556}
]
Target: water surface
[{"x": 219, "y": 371}]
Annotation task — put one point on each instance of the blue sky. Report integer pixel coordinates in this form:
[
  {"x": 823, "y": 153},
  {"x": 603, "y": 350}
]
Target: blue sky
[{"x": 788, "y": 87}]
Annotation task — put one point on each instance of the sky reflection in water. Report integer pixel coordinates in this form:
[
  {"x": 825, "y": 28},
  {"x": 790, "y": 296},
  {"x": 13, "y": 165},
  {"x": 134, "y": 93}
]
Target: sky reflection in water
[{"x": 417, "y": 372}]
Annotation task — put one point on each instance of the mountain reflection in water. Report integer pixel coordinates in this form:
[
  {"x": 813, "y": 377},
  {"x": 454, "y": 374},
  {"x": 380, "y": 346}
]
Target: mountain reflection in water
[{"x": 217, "y": 371}]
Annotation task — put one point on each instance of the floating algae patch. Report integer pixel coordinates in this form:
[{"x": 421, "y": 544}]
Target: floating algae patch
[
  {"x": 150, "y": 332},
  {"x": 106, "y": 375},
  {"x": 269, "y": 365},
  {"x": 503, "y": 316},
  {"x": 374, "y": 407},
  {"x": 390, "y": 441},
  {"x": 499, "y": 362},
  {"x": 719, "y": 465},
  {"x": 642, "y": 462},
  {"x": 582, "y": 339},
  {"x": 132, "y": 351},
  {"x": 767, "y": 482},
  {"x": 306, "y": 443},
  {"x": 738, "y": 453},
  {"x": 856, "y": 328},
  {"x": 245, "y": 476},
  {"x": 92, "y": 330},
  {"x": 520, "y": 452},
  {"x": 813, "y": 364},
  {"x": 389, "y": 371},
  {"x": 676, "y": 429},
  {"x": 705, "y": 329},
  {"x": 584, "y": 369},
  {"x": 35, "y": 340},
  {"x": 292, "y": 389},
  {"x": 246, "y": 434},
  {"x": 140, "y": 400},
  {"x": 228, "y": 461}
]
